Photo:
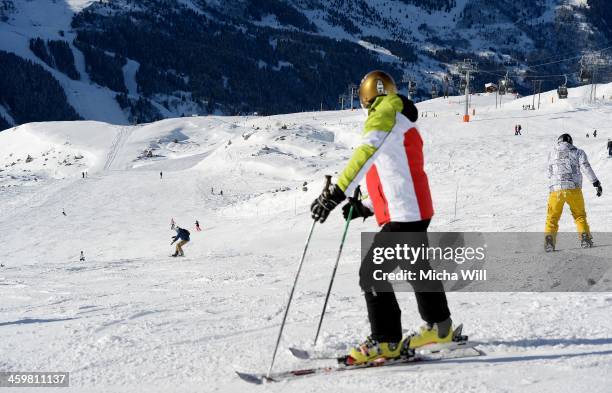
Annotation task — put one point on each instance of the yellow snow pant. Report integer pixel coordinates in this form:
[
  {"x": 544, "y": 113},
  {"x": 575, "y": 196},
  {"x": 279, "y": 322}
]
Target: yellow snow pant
[
  {"x": 556, "y": 201},
  {"x": 179, "y": 247}
]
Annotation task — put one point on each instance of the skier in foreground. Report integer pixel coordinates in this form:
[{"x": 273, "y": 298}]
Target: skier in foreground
[
  {"x": 564, "y": 164},
  {"x": 391, "y": 157},
  {"x": 183, "y": 236}
]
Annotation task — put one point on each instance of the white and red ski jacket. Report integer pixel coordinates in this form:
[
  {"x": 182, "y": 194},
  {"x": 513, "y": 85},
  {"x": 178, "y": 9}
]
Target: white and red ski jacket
[{"x": 390, "y": 158}]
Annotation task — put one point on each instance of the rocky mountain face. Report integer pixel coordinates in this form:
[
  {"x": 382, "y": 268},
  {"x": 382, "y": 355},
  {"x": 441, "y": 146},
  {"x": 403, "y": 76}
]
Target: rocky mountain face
[{"x": 164, "y": 58}]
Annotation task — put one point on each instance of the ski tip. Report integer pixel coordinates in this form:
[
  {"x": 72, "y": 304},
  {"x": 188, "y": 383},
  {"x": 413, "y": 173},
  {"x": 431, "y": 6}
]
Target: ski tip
[
  {"x": 299, "y": 353},
  {"x": 250, "y": 378}
]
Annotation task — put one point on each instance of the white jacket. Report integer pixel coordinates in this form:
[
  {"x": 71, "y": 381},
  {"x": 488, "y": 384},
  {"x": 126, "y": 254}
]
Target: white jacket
[{"x": 564, "y": 164}]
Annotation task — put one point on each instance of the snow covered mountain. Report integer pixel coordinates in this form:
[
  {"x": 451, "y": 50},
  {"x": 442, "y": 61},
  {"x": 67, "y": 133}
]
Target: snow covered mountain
[
  {"x": 134, "y": 61},
  {"x": 130, "y": 319}
]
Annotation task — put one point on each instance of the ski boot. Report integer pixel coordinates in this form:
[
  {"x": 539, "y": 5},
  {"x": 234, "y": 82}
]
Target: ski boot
[
  {"x": 586, "y": 241},
  {"x": 175, "y": 255},
  {"x": 433, "y": 337},
  {"x": 372, "y": 351},
  {"x": 549, "y": 243}
]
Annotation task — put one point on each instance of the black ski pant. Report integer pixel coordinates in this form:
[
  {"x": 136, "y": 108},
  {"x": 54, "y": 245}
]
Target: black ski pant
[{"x": 383, "y": 310}]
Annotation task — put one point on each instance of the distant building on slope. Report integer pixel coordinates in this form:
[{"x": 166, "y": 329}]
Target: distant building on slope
[{"x": 490, "y": 87}]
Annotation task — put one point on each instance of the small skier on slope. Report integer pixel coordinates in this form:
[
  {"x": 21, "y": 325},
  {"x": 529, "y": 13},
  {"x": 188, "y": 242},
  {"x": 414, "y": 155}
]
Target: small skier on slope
[
  {"x": 564, "y": 164},
  {"x": 183, "y": 236},
  {"x": 390, "y": 154}
]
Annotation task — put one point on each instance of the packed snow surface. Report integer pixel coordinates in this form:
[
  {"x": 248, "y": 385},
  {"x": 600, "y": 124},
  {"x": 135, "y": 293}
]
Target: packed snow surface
[{"x": 132, "y": 319}]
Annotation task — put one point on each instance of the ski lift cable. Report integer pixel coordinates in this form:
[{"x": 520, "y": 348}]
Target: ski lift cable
[
  {"x": 550, "y": 76},
  {"x": 516, "y": 74},
  {"x": 569, "y": 58}
]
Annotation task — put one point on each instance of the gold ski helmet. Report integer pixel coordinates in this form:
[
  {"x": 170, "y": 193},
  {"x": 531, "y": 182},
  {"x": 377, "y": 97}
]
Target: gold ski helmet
[{"x": 375, "y": 83}]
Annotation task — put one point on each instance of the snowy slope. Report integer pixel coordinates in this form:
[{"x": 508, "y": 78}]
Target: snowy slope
[{"x": 130, "y": 319}]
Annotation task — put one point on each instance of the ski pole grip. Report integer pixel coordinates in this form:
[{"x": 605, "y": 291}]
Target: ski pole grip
[
  {"x": 327, "y": 182},
  {"x": 356, "y": 193}
]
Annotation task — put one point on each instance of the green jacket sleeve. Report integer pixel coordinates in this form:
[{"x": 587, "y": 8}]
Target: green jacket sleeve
[{"x": 380, "y": 122}]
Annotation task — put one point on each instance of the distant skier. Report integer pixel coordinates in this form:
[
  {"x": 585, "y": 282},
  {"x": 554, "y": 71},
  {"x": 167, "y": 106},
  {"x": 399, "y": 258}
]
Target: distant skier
[
  {"x": 82, "y": 259},
  {"x": 519, "y": 129},
  {"x": 83, "y": 174},
  {"x": 64, "y": 212},
  {"x": 587, "y": 134},
  {"x": 565, "y": 162},
  {"x": 390, "y": 153},
  {"x": 516, "y": 129},
  {"x": 197, "y": 226},
  {"x": 161, "y": 175},
  {"x": 609, "y": 148},
  {"x": 595, "y": 134},
  {"x": 183, "y": 236},
  {"x": 221, "y": 192},
  {"x": 172, "y": 223}
]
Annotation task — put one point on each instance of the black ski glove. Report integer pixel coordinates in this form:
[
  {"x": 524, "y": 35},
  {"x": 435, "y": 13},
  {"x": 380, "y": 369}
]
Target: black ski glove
[
  {"x": 597, "y": 185},
  {"x": 409, "y": 110},
  {"x": 359, "y": 209},
  {"x": 326, "y": 202}
]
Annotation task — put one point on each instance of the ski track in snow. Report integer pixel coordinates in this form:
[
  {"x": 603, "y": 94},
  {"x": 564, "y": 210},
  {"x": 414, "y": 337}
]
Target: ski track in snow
[
  {"x": 131, "y": 319},
  {"x": 116, "y": 147}
]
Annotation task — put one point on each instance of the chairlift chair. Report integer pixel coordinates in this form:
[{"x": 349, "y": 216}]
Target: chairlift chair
[
  {"x": 585, "y": 75},
  {"x": 562, "y": 90}
]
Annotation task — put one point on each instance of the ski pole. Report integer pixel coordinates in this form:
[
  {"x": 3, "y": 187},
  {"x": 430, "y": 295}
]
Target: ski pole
[
  {"x": 331, "y": 282},
  {"x": 297, "y": 275}
]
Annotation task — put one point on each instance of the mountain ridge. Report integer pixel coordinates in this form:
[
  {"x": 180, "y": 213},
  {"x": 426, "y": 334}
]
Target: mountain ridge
[{"x": 183, "y": 57}]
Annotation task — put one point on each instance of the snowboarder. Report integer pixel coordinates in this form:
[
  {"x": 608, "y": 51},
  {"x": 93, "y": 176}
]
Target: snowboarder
[
  {"x": 565, "y": 162},
  {"x": 161, "y": 175},
  {"x": 183, "y": 236},
  {"x": 609, "y": 147},
  {"x": 391, "y": 152},
  {"x": 82, "y": 259},
  {"x": 197, "y": 226}
]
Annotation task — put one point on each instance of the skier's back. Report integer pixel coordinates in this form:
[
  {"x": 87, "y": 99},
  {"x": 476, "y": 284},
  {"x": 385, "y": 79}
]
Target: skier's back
[{"x": 565, "y": 164}]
